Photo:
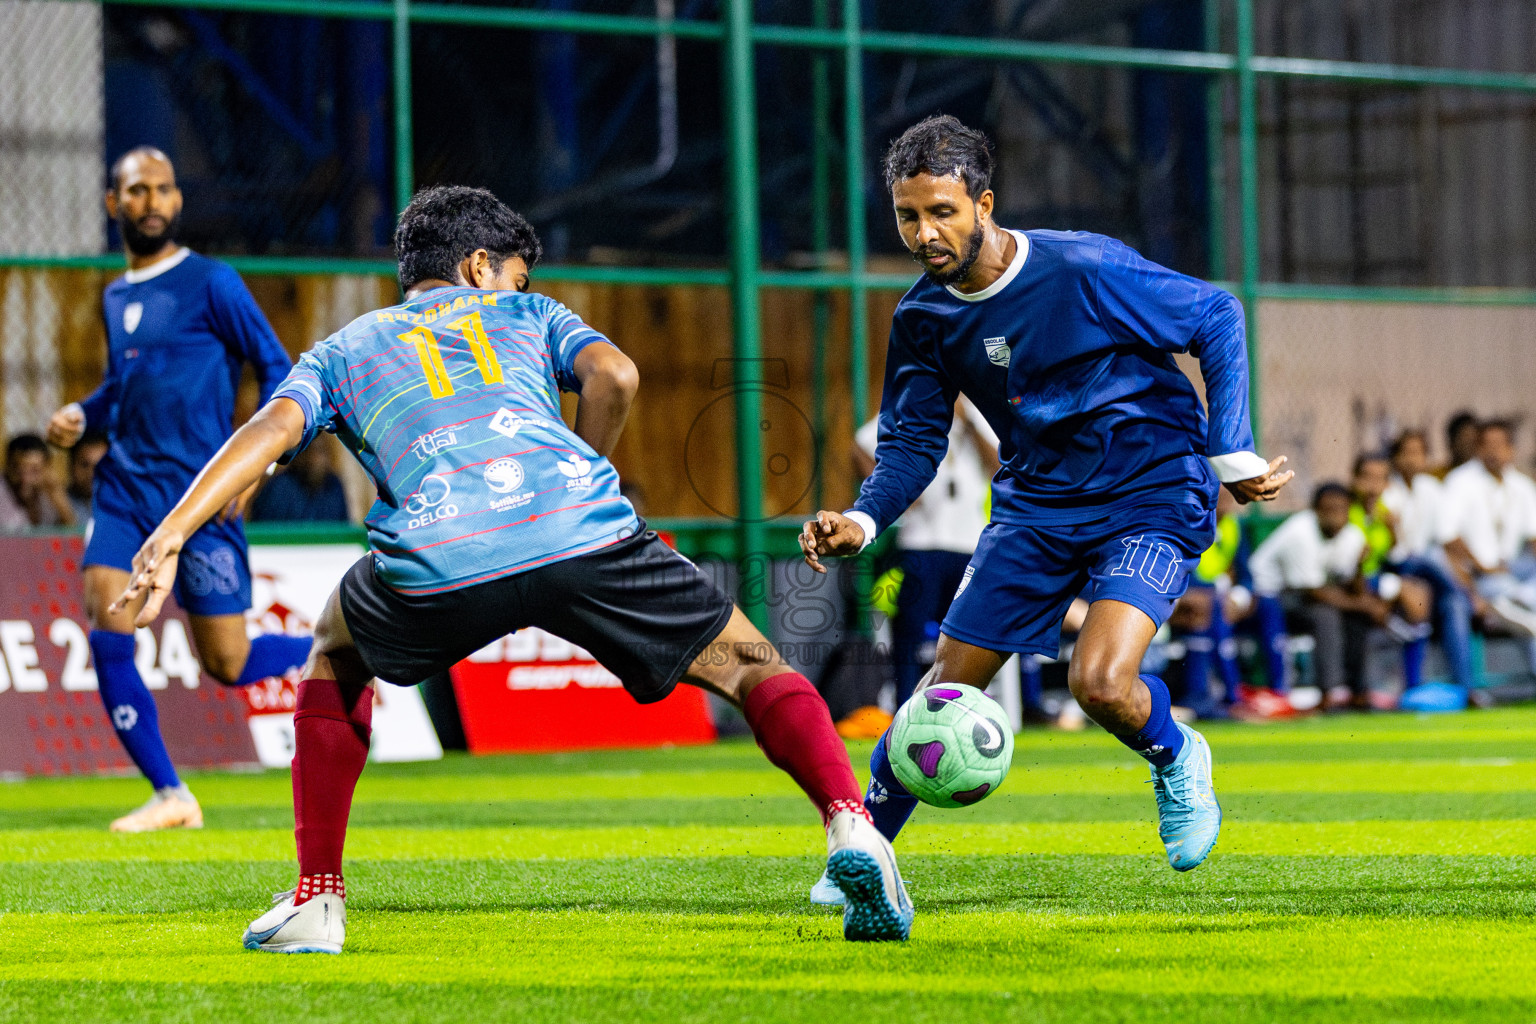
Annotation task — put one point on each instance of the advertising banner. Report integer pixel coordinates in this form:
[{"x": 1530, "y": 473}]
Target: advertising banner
[
  {"x": 51, "y": 718},
  {"x": 534, "y": 691}
]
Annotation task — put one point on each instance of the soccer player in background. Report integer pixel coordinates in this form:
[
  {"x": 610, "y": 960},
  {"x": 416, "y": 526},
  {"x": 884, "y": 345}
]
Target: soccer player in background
[
  {"x": 1065, "y": 342},
  {"x": 180, "y": 327},
  {"x": 494, "y": 515}
]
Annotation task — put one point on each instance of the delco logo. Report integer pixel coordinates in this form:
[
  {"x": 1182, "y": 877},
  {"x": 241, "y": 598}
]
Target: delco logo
[
  {"x": 430, "y": 503},
  {"x": 428, "y": 445}
]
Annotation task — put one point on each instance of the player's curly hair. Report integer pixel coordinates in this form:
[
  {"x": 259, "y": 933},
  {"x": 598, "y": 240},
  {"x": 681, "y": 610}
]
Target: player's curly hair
[
  {"x": 940, "y": 146},
  {"x": 446, "y": 223}
]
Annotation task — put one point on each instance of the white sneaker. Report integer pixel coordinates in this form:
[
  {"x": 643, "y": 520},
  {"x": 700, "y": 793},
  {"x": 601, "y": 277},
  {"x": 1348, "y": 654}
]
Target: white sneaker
[
  {"x": 319, "y": 925},
  {"x": 825, "y": 893},
  {"x": 862, "y": 865}
]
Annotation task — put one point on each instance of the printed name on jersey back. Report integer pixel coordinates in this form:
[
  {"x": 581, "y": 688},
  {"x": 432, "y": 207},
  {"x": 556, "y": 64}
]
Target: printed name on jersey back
[{"x": 431, "y": 313}]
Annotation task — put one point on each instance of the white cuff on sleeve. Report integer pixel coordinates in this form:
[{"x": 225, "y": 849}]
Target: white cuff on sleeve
[
  {"x": 866, "y": 523},
  {"x": 1236, "y": 466}
]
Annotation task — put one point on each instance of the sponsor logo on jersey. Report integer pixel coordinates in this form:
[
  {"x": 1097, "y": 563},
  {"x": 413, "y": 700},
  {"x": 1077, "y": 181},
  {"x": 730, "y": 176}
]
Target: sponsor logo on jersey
[
  {"x": 430, "y": 503},
  {"x": 507, "y": 423},
  {"x": 503, "y": 475},
  {"x": 132, "y": 314},
  {"x": 997, "y": 350},
  {"x": 428, "y": 445},
  {"x": 965, "y": 580},
  {"x": 577, "y": 472}
]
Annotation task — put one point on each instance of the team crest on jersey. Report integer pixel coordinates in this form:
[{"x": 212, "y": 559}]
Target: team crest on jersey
[
  {"x": 965, "y": 580},
  {"x": 997, "y": 350},
  {"x": 132, "y": 314},
  {"x": 428, "y": 445},
  {"x": 577, "y": 472}
]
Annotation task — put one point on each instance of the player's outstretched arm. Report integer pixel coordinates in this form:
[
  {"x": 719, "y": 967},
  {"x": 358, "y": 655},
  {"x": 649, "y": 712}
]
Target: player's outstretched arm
[
  {"x": 830, "y": 534},
  {"x": 1265, "y": 487},
  {"x": 276, "y": 429},
  {"x": 609, "y": 382}
]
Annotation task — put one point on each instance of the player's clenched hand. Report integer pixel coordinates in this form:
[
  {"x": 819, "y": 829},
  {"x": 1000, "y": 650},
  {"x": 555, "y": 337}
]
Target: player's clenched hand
[
  {"x": 830, "y": 533},
  {"x": 1262, "y": 488},
  {"x": 154, "y": 571},
  {"x": 66, "y": 426}
]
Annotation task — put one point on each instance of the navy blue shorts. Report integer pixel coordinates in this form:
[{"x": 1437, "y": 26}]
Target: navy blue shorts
[
  {"x": 214, "y": 574},
  {"x": 1022, "y": 578}
]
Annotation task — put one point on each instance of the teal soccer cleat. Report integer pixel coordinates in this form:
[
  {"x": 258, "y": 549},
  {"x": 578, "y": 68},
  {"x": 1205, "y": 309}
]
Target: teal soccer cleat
[
  {"x": 825, "y": 892},
  {"x": 862, "y": 865},
  {"x": 1189, "y": 818}
]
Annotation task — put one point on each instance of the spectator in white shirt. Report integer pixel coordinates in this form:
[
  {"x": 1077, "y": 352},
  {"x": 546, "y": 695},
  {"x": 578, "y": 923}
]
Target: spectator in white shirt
[
  {"x": 1413, "y": 497},
  {"x": 1307, "y": 577},
  {"x": 1487, "y": 526},
  {"x": 938, "y": 535}
]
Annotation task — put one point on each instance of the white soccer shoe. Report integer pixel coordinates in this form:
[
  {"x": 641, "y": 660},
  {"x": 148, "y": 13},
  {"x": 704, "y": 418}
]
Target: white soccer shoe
[
  {"x": 825, "y": 894},
  {"x": 319, "y": 925},
  {"x": 172, "y": 807},
  {"x": 862, "y": 866}
]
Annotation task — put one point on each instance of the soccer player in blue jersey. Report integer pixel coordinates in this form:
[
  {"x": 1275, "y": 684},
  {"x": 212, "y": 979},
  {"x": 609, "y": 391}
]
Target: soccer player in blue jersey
[
  {"x": 1065, "y": 342},
  {"x": 180, "y": 327},
  {"x": 494, "y": 515}
]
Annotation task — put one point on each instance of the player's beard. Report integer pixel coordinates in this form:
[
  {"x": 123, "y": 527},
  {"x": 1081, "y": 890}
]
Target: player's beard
[
  {"x": 960, "y": 268},
  {"x": 143, "y": 244}
]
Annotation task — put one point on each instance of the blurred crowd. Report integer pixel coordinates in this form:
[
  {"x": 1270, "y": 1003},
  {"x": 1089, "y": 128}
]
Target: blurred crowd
[{"x": 42, "y": 490}]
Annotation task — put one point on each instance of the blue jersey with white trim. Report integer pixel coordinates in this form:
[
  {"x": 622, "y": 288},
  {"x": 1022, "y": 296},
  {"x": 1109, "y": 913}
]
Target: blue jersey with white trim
[
  {"x": 179, "y": 333},
  {"x": 1070, "y": 357},
  {"x": 451, "y": 402}
]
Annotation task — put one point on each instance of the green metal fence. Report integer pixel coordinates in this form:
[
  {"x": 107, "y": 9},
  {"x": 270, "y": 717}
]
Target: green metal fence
[{"x": 738, "y": 35}]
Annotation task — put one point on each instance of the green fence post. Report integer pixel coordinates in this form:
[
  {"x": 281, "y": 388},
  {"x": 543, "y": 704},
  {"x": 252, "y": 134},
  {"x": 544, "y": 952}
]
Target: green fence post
[
  {"x": 1248, "y": 174},
  {"x": 821, "y": 217},
  {"x": 405, "y": 170},
  {"x": 741, "y": 128},
  {"x": 853, "y": 145},
  {"x": 1215, "y": 150}
]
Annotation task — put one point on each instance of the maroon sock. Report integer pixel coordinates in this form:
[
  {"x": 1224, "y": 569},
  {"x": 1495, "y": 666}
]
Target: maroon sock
[
  {"x": 331, "y": 726},
  {"x": 794, "y": 728}
]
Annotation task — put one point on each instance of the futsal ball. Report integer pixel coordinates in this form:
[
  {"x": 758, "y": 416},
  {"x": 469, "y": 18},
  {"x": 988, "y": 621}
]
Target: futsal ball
[{"x": 950, "y": 745}]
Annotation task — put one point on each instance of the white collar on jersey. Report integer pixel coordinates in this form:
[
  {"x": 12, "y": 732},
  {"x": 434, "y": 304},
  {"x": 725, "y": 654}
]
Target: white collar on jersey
[
  {"x": 154, "y": 270},
  {"x": 1008, "y": 275}
]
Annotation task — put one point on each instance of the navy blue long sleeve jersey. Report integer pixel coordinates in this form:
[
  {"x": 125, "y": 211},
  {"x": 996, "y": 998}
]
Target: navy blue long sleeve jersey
[
  {"x": 1069, "y": 356},
  {"x": 178, "y": 333}
]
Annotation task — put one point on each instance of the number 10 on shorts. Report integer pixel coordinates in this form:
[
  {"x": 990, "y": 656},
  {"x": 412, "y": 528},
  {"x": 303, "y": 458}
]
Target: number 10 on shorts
[{"x": 1155, "y": 561}]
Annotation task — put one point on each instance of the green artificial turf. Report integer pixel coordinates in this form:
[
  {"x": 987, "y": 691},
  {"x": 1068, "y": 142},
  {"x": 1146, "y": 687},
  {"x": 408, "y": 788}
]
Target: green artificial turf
[{"x": 1370, "y": 869}]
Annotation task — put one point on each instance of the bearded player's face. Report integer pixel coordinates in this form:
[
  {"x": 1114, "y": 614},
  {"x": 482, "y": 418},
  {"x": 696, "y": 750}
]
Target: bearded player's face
[
  {"x": 941, "y": 225},
  {"x": 146, "y": 203}
]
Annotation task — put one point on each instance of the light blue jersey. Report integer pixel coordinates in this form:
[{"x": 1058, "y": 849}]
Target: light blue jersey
[{"x": 451, "y": 402}]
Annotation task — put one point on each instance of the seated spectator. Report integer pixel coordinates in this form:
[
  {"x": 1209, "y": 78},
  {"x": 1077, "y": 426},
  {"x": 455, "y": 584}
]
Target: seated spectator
[
  {"x": 83, "y": 458},
  {"x": 1411, "y": 599},
  {"x": 1461, "y": 440},
  {"x": 32, "y": 494},
  {"x": 1487, "y": 527},
  {"x": 1203, "y": 617},
  {"x": 308, "y": 491},
  {"x": 1413, "y": 498},
  {"x": 1307, "y": 577}
]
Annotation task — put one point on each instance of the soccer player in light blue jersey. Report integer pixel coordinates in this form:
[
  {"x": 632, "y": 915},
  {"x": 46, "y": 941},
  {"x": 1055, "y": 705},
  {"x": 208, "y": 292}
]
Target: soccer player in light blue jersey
[
  {"x": 180, "y": 328},
  {"x": 1065, "y": 343},
  {"x": 493, "y": 515}
]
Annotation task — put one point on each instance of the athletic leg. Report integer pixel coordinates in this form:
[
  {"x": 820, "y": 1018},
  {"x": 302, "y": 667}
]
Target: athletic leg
[
  {"x": 794, "y": 729},
  {"x": 131, "y": 708},
  {"x": 235, "y": 659},
  {"x": 332, "y": 722}
]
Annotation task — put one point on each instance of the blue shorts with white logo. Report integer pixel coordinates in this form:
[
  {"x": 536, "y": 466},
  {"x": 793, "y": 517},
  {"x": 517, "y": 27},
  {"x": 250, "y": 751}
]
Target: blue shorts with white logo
[
  {"x": 213, "y": 576},
  {"x": 1022, "y": 578}
]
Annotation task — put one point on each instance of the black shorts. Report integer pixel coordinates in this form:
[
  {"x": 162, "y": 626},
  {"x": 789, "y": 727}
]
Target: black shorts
[{"x": 642, "y": 610}]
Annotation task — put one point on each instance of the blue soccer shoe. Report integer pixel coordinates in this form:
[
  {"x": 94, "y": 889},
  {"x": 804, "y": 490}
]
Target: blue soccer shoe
[
  {"x": 862, "y": 866},
  {"x": 1189, "y": 818}
]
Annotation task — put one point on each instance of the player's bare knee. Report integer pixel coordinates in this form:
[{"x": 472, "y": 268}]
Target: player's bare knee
[
  {"x": 225, "y": 666},
  {"x": 1099, "y": 682}
]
